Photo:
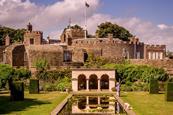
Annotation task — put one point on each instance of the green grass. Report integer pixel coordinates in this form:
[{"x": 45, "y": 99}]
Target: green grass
[
  {"x": 144, "y": 103},
  {"x": 34, "y": 104}
]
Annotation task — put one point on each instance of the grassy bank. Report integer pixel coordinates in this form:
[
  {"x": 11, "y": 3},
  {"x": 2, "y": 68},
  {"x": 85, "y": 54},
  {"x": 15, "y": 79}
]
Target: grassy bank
[
  {"x": 34, "y": 104},
  {"x": 144, "y": 103}
]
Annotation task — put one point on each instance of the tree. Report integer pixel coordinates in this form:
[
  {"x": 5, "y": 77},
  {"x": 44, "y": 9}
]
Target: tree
[
  {"x": 42, "y": 66},
  {"x": 16, "y": 35},
  {"x": 118, "y": 32},
  {"x": 8, "y": 74},
  {"x": 6, "y": 71},
  {"x": 95, "y": 62}
]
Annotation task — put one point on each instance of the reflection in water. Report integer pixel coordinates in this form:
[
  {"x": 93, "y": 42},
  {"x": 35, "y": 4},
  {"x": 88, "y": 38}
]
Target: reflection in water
[
  {"x": 82, "y": 103},
  {"x": 93, "y": 102},
  {"x": 91, "y": 105}
]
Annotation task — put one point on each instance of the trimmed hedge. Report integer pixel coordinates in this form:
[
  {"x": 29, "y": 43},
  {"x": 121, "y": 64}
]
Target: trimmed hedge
[
  {"x": 34, "y": 86},
  {"x": 169, "y": 91},
  {"x": 17, "y": 91},
  {"x": 154, "y": 86}
]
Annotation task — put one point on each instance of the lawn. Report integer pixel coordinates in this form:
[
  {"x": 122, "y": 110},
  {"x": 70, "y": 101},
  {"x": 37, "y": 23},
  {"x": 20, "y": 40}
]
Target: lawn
[
  {"x": 144, "y": 103},
  {"x": 34, "y": 104}
]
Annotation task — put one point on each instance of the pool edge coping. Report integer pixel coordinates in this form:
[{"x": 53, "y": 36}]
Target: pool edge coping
[
  {"x": 59, "y": 107},
  {"x": 128, "y": 111}
]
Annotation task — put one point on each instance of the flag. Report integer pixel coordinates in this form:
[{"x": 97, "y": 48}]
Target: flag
[{"x": 87, "y": 5}]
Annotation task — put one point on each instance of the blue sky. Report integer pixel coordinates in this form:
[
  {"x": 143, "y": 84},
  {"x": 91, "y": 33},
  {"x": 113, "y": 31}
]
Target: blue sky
[
  {"x": 157, "y": 11},
  {"x": 150, "y": 20}
]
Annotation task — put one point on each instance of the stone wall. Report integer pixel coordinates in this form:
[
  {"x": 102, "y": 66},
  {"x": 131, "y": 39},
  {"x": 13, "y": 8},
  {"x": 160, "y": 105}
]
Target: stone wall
[
  {"x": 154, "y": 49},
  {"x": 52, "y": 53},
  {"x": 37, "y": 37},
  {"x": 165, "y": 63},
  {"x": 2, "y": 49},
  {"x": 14, "y": 55},
  {"x": 109, "y": 48}
]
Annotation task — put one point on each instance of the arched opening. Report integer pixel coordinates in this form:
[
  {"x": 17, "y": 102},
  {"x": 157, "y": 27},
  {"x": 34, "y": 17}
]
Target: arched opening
[
  {"x": 104, "y": 82},
  {"x": 82, "y": 103},
  {"x": 81, "y": 82},
  {"x": 93, "y": 82}
]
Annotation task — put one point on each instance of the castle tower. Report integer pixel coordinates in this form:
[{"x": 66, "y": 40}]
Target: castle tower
[
  {"x": 71, "y": 33},
  {"x": 32, "y": 37}
]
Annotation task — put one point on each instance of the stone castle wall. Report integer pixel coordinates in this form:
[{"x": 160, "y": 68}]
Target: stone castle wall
[
  {"x": 37, "y": 37},
  {"x": 52, "y": 53},
  {"x": 165, "y": 63},
  {"x": 108, "y": 48},
  {"x": 2, "y": 49},
  {"x": 14, "y": 55},
  {"x": 154, "y": 49}
]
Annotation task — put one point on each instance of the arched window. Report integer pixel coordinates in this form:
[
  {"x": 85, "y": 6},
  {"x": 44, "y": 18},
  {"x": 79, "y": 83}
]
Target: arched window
[
  {"x": 104, "y": 82},
  {"x": 93, "y": 82},
  {"x": 81, "y": 82}
]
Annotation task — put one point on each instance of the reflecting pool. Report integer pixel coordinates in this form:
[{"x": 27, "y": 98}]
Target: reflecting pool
[{"x": 92, "y": 105}]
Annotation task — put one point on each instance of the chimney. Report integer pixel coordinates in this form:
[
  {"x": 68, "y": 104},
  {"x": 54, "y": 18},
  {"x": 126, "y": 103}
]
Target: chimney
[{"x": 7, "y": 40}]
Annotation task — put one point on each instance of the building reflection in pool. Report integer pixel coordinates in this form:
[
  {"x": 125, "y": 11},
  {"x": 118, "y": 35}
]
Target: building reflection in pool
[{"x": 80, "y": 105}]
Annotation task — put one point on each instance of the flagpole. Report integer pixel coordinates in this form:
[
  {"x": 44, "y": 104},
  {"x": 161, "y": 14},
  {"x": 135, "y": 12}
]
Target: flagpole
[{"x": 85, "y": 22}]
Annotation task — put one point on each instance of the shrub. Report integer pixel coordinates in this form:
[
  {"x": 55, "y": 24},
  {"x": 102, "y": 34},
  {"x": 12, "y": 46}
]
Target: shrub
[
  {"x": 169, "y": 91},
  {"x": 153, "y": 87},
  {"x": 49, "y": 87},
  {"x": 17, "y": 91},
  {"x": 6, "y": 71},
  {"x": 34, "y": 86},
  {"x": 64, "y": 84},
  {"x": 21, "y": 74}
]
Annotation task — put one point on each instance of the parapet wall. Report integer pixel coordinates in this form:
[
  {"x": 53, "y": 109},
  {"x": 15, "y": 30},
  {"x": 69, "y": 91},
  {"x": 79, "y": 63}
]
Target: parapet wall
[
  {"x": 109, "y": 48},
  {"x": 103, "y": 41},
  {"x": 155, "y": 47},
  {"x": 165, "y": 63}
]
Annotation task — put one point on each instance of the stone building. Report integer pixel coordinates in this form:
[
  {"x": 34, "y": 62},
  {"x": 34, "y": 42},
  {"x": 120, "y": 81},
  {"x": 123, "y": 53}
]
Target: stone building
[
  {"x": 74, "y": 49},
  {"x": 32, "y": 37},
  {"x": 93, "y": 79}
]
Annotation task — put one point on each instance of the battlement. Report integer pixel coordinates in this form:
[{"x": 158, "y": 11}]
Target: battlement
[
  {"x": 152, "y": 46},
  {"x": 33, "y": 32},
  {"x": 101, "y": 41}
]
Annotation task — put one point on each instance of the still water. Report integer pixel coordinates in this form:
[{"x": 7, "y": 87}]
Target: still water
[{"x": 92, "y": 105}]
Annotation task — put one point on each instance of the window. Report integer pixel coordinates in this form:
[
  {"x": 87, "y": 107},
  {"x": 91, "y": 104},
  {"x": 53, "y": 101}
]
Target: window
[
  {"x": 67, "y": 56},
  {"x": 138, "y": 55},
  {"x": 31, "y": 41}
]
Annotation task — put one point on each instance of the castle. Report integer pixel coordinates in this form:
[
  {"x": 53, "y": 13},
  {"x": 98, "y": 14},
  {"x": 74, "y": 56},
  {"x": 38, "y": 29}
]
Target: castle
[{"x": 74, "y": 48}]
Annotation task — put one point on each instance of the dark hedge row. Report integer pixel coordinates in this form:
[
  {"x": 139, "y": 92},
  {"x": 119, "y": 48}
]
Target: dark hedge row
[
  {"x": 133, "y": 73},
  {"x": 154, "y": 86},
  {"x": 169, "y": 91},
  {"x": 34, "y": 86},
  {"x": 17, "y": 91}
]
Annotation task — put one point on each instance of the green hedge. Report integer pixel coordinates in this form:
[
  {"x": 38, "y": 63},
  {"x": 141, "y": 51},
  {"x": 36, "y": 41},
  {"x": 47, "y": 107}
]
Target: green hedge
[
  {"x": 34, "y": 86},
  {"x": 169, "y": 91},
  {"x": 133, "y": 73},
  {"x": 17, "y": 91},
  {"x": 154, "y": 86}
]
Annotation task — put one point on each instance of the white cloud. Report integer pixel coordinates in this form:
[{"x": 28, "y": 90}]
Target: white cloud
[
  {"x": 53, "y": 18},
  {"x": 16, "y": 13},
  {"x": 146, "y": 31}
]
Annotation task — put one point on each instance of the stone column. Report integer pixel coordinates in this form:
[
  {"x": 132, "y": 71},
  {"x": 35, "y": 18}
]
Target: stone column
[
  {"x": 87, "y": 100},
  {"x": 98, "y": 84},
  {"x": 87, "y": 84},
  {"x": 98, "y": 100}
]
